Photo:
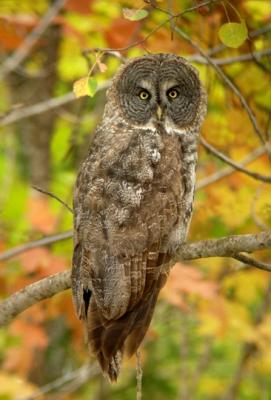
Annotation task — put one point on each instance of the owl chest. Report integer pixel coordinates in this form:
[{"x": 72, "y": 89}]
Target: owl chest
[
  {"x": 149, "y": 165},
  {"x": 167, "y": 172}
]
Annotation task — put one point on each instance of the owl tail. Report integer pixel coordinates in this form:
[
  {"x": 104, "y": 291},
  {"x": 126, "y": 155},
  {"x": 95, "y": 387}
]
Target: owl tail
[{"x": 108, "y": 340}]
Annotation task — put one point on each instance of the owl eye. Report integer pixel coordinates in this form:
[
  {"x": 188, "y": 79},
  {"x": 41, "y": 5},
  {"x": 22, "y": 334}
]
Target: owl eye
[
  {"x": 172, "y": 93},
  {"x": 144, "y": 95}
]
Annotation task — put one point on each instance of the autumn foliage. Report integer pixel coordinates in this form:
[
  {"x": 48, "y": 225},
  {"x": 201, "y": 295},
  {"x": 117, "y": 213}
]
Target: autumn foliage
[{"x": 211, "y": 334}]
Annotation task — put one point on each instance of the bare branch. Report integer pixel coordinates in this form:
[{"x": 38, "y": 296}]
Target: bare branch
[
  {"x": 231, "y": 60},
  {"x": 253, "y": 56},
  {"x": 251, "y": 261},
  {"x": 43, "y": 106},
  {"x": 225, "y": 247},
  {"x": 234, "y": 164},
  {"x": 35, "y": 243},
  {"x": 31, "y": 294},
  {"x": 12, "y": 62},
  {"x": 229, "y": 170},
  {"x": 37, "y": 108}
]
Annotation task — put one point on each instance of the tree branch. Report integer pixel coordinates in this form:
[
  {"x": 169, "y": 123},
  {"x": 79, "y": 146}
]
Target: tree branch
[
  {"x": 47, "y": 287},
  {"x": 43, "y": 106},
  {"x": 33, "y": 293},
  {"x": 224, "y": 247},
  {"x": 38, "y": 108},
  {"x": 12, "y": 62},
  {"x": 234, "y": 164},
  {"x": 251, "y": 261},
  {"x": 208, "y": 180},
  {"x": 231, "y": 60},
  {"x": 35, "y": 243}
]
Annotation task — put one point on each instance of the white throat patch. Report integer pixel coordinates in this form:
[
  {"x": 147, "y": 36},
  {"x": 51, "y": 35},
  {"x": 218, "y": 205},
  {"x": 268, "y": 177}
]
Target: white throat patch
[{"x": 171, "y": 129}]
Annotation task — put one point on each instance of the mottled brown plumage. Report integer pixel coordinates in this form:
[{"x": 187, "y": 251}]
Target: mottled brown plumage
[{"x": 133, "y": 201}]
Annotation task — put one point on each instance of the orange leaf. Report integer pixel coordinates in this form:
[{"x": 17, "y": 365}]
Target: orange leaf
[
  {"x": 81, "y": 7},
  {"x": 187, "y": 280},
  {"x": 120, "y": 32},
  {"x": 42, "y": 261},
  {"x": 40, "y": 215}
]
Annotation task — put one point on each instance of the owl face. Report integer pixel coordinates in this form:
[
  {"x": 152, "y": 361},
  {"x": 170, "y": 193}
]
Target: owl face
[{"x": 161, "y": 88}]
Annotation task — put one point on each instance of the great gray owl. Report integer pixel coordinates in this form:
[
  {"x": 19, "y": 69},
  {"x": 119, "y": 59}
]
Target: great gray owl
[{"x": 133, "y": 201}]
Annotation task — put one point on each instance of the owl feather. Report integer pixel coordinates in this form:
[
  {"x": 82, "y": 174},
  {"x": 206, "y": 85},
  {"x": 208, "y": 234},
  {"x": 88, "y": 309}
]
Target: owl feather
[{"x": 133, "y": 201}]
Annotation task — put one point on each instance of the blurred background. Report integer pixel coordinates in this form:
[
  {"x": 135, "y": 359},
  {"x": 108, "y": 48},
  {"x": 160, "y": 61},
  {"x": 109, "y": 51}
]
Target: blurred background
[{"x": 211, "y": 334}]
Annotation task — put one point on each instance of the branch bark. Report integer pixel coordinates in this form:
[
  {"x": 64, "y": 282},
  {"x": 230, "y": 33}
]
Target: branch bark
[
  {"x": 225, "y": 247},
  {"x": 31, "y": 294},
  {"x": 48, "y": 287}
]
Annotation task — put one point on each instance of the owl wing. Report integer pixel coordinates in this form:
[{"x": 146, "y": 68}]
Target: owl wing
[{"x": 127, "y": 202}]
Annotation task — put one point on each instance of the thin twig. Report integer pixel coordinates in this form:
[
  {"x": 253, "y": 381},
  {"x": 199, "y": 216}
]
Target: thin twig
[
  {"x": 12, "y": 62},
  {"x": 251, "y": 261},
  {"x": 230, "y": 170},
  {"x": 231, "y": 60},
  {"x": 35, "y": 243},
  {"x": 54, "y": 196},
  {"x": 234, "y": 164},
  {"x": 231, "y": 85},
  {"x": 158, "y": 27},
  {"x": 139, "y": 374}
]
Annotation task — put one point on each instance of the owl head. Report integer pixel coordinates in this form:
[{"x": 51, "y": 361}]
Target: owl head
[{"x": 159, "y": 89}]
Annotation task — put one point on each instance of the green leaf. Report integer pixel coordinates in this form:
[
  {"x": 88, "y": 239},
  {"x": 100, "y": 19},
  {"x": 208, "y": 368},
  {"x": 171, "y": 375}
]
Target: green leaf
[
  {"x": 92, "y": 86},
  {"x": 85, "y": 87},
  {"x": 134, "y": 15},
  {"x": 233, "y": 34}
]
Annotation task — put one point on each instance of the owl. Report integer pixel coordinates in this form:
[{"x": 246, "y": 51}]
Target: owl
[{"x": 133, "y": 201}]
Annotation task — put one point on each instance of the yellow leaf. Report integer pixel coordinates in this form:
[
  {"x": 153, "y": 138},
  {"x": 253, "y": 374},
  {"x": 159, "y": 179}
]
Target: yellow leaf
[{"x": 80, "y": 87}]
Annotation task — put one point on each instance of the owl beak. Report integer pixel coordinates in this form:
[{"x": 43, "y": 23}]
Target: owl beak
[{"x": 159, "y": 112}]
